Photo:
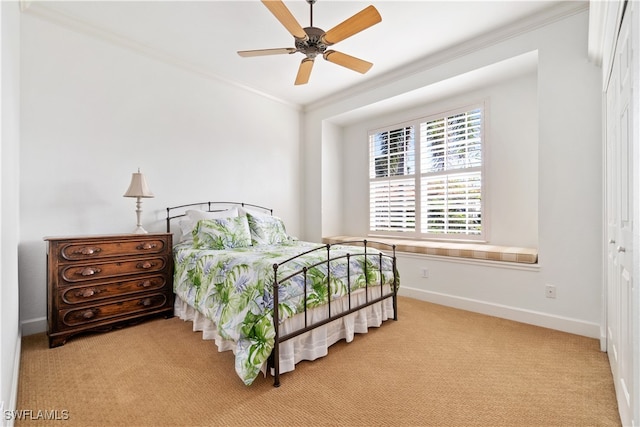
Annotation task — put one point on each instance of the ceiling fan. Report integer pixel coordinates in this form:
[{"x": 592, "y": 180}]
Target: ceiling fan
[{"x": 312, "y": 41}]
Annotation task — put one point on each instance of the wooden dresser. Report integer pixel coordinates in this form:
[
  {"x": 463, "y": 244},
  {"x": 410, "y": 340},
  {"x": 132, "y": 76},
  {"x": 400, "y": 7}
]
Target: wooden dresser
[{"x": 95, "y": 283}]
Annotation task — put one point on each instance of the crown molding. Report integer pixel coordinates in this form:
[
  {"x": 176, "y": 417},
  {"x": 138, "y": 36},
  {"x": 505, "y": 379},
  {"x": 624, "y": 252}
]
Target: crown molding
[
  {"x": 40, "y": 10},
  {"x": 605, "y": 18}
]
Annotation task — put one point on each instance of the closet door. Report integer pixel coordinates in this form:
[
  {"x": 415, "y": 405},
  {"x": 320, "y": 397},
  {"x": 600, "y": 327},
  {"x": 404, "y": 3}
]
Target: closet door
[{"x": 620, "y": 137}]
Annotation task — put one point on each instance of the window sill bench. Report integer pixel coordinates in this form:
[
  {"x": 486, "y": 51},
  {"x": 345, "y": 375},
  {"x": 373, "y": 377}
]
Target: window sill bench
[{"x": 477, "y": 251}]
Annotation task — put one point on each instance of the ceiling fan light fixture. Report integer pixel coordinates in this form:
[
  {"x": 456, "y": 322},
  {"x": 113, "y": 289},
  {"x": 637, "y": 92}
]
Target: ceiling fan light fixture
[{"x": 312, "y": 41}]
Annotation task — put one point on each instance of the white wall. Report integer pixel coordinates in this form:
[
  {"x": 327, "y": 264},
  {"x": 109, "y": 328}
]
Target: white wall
[
  {"x": 93, "y": 112},
  {"x": 333, "y": 178},
  {"x": 568, "y": 185},
  {"x": 9, "y": 221}
]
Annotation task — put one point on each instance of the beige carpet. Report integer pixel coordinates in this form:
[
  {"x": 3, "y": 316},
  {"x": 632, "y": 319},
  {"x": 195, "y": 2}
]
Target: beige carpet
[{"x": 435, "y": 366}]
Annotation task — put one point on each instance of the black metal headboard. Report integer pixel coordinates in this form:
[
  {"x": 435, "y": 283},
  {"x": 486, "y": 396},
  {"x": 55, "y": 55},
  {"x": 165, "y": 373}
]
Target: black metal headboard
[{"x": 209, "y": 207}]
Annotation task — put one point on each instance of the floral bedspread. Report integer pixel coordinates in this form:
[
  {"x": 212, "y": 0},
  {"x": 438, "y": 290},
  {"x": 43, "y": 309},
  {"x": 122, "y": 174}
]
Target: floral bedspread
[{"x": 234, "y": 288}]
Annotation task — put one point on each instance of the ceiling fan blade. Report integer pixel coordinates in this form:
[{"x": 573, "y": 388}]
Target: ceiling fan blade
[
  {"x": 285, "y": 17},
  {"x": 360, "y": 21},
  {"x": 263, "y": 52},
  {"x": 304, "y": 71},
  {"x": 347, "y": 61}
]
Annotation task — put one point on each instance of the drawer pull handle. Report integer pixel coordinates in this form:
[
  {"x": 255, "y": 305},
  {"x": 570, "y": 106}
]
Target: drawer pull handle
[
  {"x": 621, "y": 249},
  {"x": 145, "y": 284},
  {"x": 146, "y": 246},
  {"x": 89, "y": 271},
  {"x": 86, "y": 293},
  {"x": 145, "y": 302},
  {"x": 89, "y": 314},
  {"x": 145, "y": 265},
  {"x": 87, "y": 251}
]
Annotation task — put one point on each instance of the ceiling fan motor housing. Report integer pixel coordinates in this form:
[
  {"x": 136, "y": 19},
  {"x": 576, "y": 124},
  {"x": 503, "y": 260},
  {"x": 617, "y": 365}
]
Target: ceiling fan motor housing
[{"x": 314, "y": 46}]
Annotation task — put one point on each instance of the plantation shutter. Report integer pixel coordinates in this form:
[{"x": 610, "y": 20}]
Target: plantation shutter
[
  {"x": 451, "y": 182},
  {"x": 452, "y": 204},
  {"x": 392, "y": 180}
]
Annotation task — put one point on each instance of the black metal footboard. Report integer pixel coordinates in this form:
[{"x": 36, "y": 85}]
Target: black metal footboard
[{"x": 393, "y": 293}]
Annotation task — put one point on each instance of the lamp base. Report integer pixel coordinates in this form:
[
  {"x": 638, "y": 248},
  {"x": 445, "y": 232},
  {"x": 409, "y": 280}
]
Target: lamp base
[{"x": 140, "y": 230}]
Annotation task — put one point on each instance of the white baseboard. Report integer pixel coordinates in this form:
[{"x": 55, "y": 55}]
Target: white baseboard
[
  {"x": 34, "y": 326},
  {"x": 13, "y": 399},
  {"x": 545, "y": 320}
]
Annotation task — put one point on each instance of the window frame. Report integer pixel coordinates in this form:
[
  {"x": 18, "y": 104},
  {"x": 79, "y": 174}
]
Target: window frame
[{"x": 418, "y": 176}]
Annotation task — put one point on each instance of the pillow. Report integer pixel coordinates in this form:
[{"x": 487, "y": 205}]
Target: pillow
[
  {"x": 222, "y": 233},
  {"x": 242, "y": 210},
  {"x": 188, "y": 223},
  {"x": 267, "y": 230}
]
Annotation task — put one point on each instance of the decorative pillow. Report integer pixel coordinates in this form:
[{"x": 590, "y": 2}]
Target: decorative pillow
[
  {"x": 188, "y": 223},
  {"x": 222, "y": 233},
  {"x": 267, "y": 230},
  {"x": 243, "y": 210}
]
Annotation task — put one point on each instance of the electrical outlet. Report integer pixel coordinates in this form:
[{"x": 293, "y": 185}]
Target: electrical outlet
[
  {"x": 425, "y": 273},
  {"x": 550, "y": 291}
]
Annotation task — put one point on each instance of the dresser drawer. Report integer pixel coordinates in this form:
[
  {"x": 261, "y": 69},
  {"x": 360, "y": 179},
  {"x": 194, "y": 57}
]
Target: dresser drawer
[
  {"x": 81, "y": 272},
  {"x": 96, "y": 292},
  {"x": 112, "y": 311},
  {"x": 101, "y": 249}
]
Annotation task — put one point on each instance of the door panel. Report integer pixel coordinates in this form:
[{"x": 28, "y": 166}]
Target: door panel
[{"x": 619, "y": 199}]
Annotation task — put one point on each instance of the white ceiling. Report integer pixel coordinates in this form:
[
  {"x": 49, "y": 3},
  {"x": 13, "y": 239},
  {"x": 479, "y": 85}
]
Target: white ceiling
[{"x": 205, "y": 35}]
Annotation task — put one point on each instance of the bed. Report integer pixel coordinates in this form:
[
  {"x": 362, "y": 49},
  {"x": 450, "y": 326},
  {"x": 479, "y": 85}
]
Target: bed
[{"x": 272, "y": 299}]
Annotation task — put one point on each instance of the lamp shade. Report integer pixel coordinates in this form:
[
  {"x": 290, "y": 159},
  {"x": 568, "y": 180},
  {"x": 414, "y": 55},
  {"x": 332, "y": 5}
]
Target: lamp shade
[{"x": 138, "y": 186}]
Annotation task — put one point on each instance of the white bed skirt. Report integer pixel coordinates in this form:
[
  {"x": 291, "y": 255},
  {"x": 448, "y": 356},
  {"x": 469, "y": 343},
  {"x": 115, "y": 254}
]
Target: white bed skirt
[{"x": 310, "y": 345}]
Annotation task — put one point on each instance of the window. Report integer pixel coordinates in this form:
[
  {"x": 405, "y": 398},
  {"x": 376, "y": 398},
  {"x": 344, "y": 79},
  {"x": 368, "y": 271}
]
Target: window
[{"x": 425, "y": 177}]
